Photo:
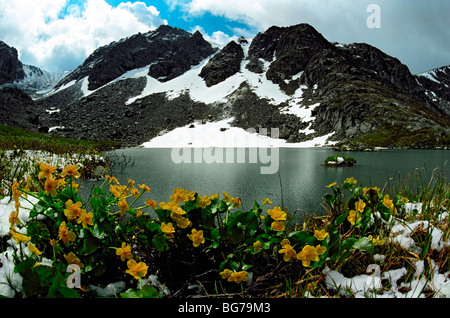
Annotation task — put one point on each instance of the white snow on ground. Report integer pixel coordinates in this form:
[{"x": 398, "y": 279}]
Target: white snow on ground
[{"x": 221, "y": 134}]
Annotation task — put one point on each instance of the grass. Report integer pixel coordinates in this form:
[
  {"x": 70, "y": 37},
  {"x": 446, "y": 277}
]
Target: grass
[
  {"x": 15, "y": 162},
  {"x": 18, "y": 138}
]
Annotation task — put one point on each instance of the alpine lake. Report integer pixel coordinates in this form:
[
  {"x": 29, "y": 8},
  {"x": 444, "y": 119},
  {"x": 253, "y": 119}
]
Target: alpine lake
[{"x": 297, "y": 181}]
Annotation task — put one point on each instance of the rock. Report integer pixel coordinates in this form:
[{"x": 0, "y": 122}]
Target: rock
[
  {"x": 11, "y": 69},
  {"x": 170, "y": 51},
  {"x": 224, "y": 64}
]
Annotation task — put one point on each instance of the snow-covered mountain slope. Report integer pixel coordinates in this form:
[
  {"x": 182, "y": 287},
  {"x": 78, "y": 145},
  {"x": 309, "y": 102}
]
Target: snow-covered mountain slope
[
  {"x": 288, "y": 78},
  {"x": 38, "y": 79}
]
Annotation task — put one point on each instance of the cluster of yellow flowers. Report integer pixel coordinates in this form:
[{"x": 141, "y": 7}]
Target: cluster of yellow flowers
[
  {"x": 279, "y": 217},
  {"x": 308, "y": 254},
  {"x": 232, "y": 276},
  {"x": 354, "y": 215},
  {"x": 137, "y": 270}
]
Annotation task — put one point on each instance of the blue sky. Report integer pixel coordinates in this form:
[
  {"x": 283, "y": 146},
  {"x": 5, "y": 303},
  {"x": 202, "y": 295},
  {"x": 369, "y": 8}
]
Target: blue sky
[{"x": 60, "y": 34}]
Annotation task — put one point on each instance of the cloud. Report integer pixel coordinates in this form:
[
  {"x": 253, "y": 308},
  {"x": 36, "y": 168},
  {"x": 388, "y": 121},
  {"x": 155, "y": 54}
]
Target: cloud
[
  {"x": 414, "y": 31},
  {"x": 217, "y": 38},
  {"x": 54, "y": 36}
]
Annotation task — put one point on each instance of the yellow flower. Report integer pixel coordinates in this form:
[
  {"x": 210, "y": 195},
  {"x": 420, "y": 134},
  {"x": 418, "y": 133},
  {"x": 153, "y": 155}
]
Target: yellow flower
[
  {"x": 16, "y": 193},
  {"x": 353, "y": 217},
  {"x": 257, "y": 247},
  {"x": 197, "y": 237},
  {"x": 360, "y": 205},
  {"x": 65, "y": 235},
  {"x": 238, "y": 277},
  {"x": 117, "y": 190},
  {"x": 267, "y": 201},
  {"x": 284, "y": 242},
  {"x": 50, "y": 186},
  {"x": 177, "y": 212},
  {"x": 73, "y": 210},
  {"x": 307, "y": 255},
  {"x": 144, "y": 187},
  {"x": 71, "y": 258},
  {"x": 136, "y": 270},
  {"x": 288, "y": 252},
  {"x": 71, "y": 171},
  {"x": 168, "y": 230},
  {"x": 321, "y": 249},
  {"x": 124, "y": 252},
  {"x": 204, "y": 201},
  {"x": 123, "y": 205},
  {"x": 183, "y": 222},
  {"x": 331, "y": 185},
  {"x": 320, "y": 235},
  {"x": 366, "y": 190},
  {"x": 278, "y": 226},
  {"x": 388, "y": 203},
  {"x": 236, "y": 201},
  {"x": 151, "y": 203},
  {"x": 227, "y": 197},
  {"x": 226, "y": 273},
  {"x": 19, "y": 237},
  {"x": 46, "y": 171},
  {"x": 111, "y": 179},
  {"x": 75, "y": 186},
  {"x": 33, "y": 249},
  {"x": 14, "y": 218},
  {"x": 214, "y": 196},
  {"x": 181, "y": 195},
  {"x": 350, "y": 180},
  {"x": 376, "y": 241},
  {"x": 85, "y": 218},
  {"x": 277, "y": 214},
  {"x": 134, "y": 192}
]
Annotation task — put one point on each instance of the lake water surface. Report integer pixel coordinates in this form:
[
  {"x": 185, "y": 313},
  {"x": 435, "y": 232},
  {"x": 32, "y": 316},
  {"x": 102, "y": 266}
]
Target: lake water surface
[{"x": 303, "y": 178}]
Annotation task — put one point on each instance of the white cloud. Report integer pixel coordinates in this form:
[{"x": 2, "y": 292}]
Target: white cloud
[
  {"x": 217, "y": 38},
  {"x": 416, "y": 32},
  {"x": 45, "y": 39}
]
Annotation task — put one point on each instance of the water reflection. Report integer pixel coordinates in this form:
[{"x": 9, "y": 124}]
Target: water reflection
[{"x": 303, "y": 178}]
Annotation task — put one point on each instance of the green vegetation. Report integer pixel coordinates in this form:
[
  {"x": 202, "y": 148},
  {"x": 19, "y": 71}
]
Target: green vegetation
[
  {"x": 20, "y": 149},
  {"x": 400, "y": 137},
  {"x": 210, "y": 242},
  {"x": 339, "y": 161},
  {"x": 17, "y": 138}
]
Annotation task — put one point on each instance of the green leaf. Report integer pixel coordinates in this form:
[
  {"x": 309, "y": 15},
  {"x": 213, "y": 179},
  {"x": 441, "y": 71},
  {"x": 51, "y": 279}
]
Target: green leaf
[
  {"x": 234, "y": 265},
  {"x": 215, "y": 236},
  {"x": 99, "y": 232},
  {"x": 149, "y": 292},
  {"x": 341, "y": 218},
  {"x": 89, "y": 244},
  {"x": 25, "y": 265},
  {"x": 364, "y": 244},
  {"x": 348, "y": 243}
]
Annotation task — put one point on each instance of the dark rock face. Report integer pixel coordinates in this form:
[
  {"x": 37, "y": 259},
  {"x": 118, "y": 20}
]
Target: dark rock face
[
  {"x": 224, "y": 64},
  {"x": 289, "y": 48},
  {"x": 171, "y": 51},
  {"x": 18, "y": 109},
  {"x": 11, "y": 69}
]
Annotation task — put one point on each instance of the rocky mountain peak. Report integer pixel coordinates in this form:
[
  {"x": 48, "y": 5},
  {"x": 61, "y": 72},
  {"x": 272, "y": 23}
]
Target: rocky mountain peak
[
  {"x": 169, "y": 51},
  {"x": 288, "y": 49},
  {"x": 11, "y": 69}
]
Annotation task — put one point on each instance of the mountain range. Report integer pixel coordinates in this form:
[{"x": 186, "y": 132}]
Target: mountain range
[{"x": 290, "y": 78}]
